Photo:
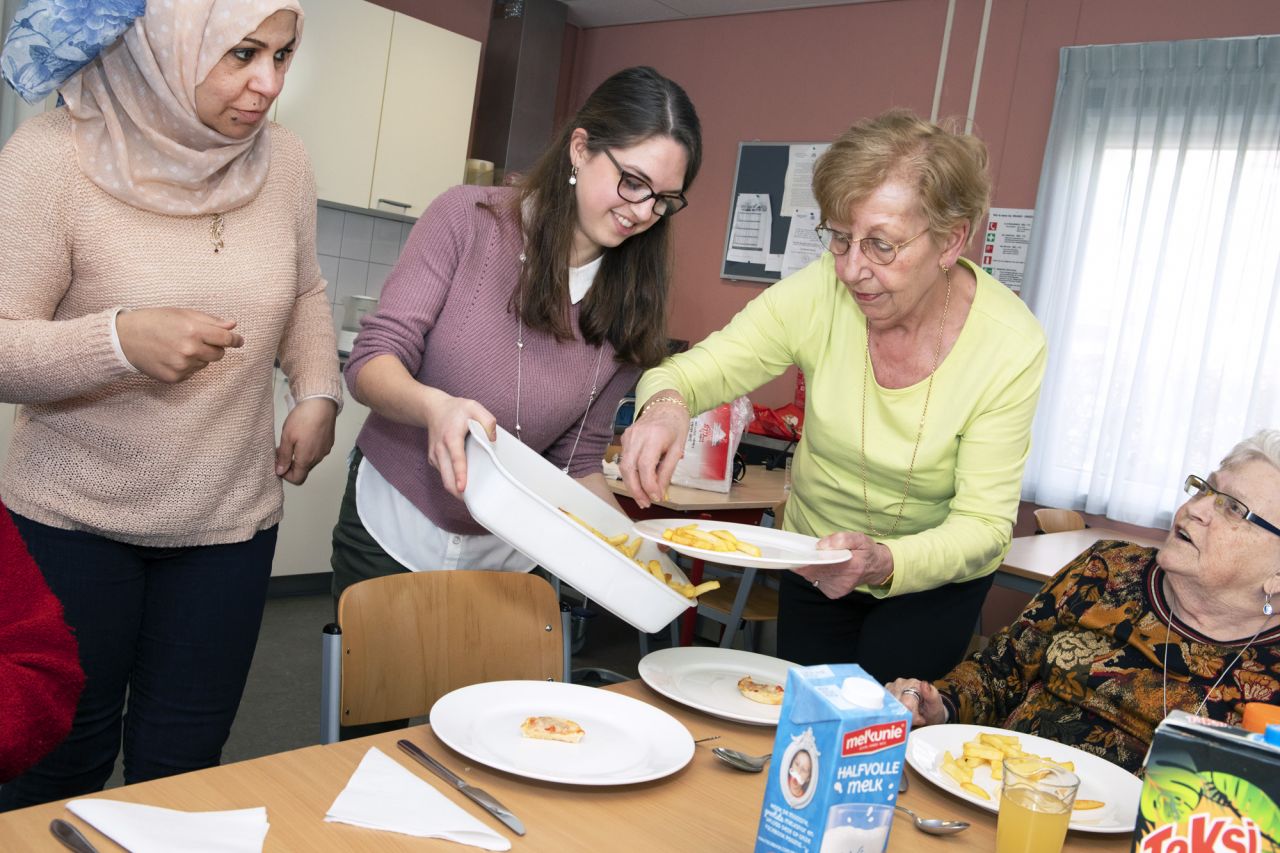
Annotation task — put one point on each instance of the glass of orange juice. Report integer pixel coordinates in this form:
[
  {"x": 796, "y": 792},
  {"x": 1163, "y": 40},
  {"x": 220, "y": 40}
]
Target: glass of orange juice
[{"x": 1035, "y": 806}]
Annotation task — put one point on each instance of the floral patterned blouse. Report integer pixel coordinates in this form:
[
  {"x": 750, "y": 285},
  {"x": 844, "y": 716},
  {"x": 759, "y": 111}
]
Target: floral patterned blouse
[{"x": 1084, "y": 664}]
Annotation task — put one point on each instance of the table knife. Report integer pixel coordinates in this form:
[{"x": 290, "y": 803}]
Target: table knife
[
  {"x": 478, "y": 796},
  {"x": 71, "y": 837}
]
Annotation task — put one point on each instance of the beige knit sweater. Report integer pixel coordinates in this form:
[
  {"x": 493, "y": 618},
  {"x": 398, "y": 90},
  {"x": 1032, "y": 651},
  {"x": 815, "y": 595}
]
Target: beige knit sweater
[{"x": 98, "y": 447}]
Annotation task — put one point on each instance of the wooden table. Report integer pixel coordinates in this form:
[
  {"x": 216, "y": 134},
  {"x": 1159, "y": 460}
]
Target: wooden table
[
  {"x": 1033, "y": 560},
  {"x": 759, "y": 490},
  {"x": 704, "y": 807}
]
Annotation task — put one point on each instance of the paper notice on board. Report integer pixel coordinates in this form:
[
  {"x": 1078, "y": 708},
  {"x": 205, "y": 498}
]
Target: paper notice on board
[
  {"x": 1004, "y": 252},
  {"x": 752, "y": 226},
  {"x": 797, "y": 191},
  {"x": 803, "y": 245}
]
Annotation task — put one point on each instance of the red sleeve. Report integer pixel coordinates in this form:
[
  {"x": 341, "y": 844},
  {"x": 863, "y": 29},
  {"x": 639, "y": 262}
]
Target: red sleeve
[{"x": 40, "y": 675}]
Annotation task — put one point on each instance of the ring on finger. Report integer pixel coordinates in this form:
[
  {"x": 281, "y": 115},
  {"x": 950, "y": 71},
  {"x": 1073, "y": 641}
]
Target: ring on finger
[{"x": 913, "y": 692}]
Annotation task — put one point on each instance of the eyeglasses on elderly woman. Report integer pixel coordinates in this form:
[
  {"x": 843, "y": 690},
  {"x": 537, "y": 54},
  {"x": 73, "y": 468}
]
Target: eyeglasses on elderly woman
[
  {"x": 637, "y": 190},
  {"x": 874, "y": 249},
  {"x": 1198, "y": 488}
]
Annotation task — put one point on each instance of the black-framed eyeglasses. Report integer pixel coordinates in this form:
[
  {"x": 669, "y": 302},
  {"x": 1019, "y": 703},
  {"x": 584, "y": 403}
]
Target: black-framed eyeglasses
[
  {"x": 1198, "y": 487},
  {"x": 637, "y": 190},
  {"x": 877, "y": 251}
]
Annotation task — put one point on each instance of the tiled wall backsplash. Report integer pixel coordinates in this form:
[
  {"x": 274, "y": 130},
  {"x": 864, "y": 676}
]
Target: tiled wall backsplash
[{"x": 356, "y": 251}]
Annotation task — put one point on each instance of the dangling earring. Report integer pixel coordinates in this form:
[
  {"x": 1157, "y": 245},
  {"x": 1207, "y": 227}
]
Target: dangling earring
[
  {"x": 573, "y": 177},
  {"x": 945, "y": 269},
  {"x": 1267, "y": 609}
]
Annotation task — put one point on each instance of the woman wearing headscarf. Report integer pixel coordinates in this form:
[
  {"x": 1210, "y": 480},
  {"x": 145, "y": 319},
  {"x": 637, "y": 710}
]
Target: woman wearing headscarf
[{"x": 157, "y": 257}]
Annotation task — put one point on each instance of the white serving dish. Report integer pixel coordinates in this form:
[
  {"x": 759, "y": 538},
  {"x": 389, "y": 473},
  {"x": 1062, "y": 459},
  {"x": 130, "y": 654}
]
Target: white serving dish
[{"x": 517, "y": 495}]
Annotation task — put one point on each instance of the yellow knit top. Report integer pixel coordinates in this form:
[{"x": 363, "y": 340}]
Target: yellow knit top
[{"x": 966, "y": 484}]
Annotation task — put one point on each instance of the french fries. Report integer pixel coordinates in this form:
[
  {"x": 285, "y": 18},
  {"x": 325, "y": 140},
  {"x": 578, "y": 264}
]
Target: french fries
[
  {"x": 709, "y": 540},
  {"x": 653, "y": 567},
  {"x": 990, "y": 750}
]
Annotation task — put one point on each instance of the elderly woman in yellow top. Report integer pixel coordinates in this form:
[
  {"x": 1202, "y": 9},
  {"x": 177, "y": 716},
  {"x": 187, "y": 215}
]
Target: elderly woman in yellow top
[{"x": 923, "y": 374}]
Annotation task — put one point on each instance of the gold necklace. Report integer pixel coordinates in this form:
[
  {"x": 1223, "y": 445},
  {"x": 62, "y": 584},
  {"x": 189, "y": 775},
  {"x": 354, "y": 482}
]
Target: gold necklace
[
  {"x": 866, "y": 371},
  {"x": 215, "y": 232}
]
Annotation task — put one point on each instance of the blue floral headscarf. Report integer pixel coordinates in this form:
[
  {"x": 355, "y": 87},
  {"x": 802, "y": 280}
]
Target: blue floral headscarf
[{"x": 52, "y": 39}]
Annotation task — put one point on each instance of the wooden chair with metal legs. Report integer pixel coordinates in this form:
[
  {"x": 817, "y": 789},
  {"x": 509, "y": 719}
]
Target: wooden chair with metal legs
[
  {"x": 1058, "y": 520},
  {"x": 403, "y": 641}
]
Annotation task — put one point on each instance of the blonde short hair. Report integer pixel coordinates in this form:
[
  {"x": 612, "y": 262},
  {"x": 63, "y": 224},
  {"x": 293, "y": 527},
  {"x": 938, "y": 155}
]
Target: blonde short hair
[
  {"x": 947, "y": 167},
  {"x": 1264, "y": 445}
]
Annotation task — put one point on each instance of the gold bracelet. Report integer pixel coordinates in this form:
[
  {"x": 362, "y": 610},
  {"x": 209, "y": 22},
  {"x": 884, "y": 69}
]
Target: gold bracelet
[
  {"x": 668, "y": 399},
  {"x": 884, "y": 584}
]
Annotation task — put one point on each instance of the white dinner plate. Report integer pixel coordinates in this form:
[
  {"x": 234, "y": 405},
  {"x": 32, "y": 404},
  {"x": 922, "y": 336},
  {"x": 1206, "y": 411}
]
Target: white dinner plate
[
  {"x": 1101, "y": 780},
  {"x": 779, "y": 549},
  {"x": 626, "y": 740},
  {"x": 707, "y": 679}
]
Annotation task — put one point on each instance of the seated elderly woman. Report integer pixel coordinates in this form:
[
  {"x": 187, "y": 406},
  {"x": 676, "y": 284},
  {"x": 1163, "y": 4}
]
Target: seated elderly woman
[{"x": 1125, "y": 634}]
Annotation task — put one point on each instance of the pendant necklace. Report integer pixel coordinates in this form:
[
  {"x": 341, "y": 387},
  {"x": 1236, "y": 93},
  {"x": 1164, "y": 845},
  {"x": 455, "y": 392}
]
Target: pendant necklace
[
  {"x": 591, "y": 396},
  {"x": 1164, "y": 683},
  {"x": 866, "y": 372},
  {"x": 215, "y": 232}
]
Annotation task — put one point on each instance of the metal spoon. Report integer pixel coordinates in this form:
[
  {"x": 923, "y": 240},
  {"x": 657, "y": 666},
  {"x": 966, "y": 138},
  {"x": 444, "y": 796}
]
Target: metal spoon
[
  {"x": 934, "y": 826},
  {"x": 740, "y": 760}
]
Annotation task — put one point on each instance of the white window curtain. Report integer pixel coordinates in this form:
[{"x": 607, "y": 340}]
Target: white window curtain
[{"x": 1155, "y": 270}]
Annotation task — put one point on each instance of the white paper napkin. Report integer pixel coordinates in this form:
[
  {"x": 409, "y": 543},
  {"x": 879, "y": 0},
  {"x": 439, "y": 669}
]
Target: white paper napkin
[
  {"x": 382, "y": 794},
  {"x": 151, "y": 829}
]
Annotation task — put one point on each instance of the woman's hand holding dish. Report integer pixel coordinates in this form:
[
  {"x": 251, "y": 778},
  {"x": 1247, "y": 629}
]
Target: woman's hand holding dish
[
  {"x": 446, "y": 421},
  {"x": 871, "y": 563}
]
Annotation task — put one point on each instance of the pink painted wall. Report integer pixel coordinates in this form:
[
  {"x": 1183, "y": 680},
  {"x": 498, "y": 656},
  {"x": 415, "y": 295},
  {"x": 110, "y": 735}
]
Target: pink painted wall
[{"x": 805, "y": 75}]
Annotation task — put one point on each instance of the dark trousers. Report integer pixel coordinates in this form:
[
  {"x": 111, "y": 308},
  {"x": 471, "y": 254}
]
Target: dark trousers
[
  {"x": 173, "y": 628},
  {"x": 356, "y": 555},
  {"x": 918, "y": 635}
]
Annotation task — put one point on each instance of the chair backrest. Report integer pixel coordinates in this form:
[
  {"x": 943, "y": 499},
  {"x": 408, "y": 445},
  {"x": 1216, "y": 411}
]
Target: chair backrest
[
  {"x": 1058, "y": 520},
  {"x": 409, "y": 639}
]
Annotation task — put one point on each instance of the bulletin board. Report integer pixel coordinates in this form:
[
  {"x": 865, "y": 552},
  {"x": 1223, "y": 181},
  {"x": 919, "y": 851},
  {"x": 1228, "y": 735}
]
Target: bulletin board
[{"x": 762, "y": 170}]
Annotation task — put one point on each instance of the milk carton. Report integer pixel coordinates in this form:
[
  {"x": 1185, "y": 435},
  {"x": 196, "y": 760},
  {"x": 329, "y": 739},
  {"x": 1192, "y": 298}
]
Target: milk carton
[{"x": 837, "y": 764}]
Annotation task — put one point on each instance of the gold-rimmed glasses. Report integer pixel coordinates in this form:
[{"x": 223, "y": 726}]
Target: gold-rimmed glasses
[
  {"x": 635, "y": 189},
  {"x": 1197, "y": 487},
  {"x": 877, "y": 251}
]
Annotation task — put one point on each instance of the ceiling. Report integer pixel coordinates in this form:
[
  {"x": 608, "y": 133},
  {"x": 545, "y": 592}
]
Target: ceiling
[{"x": 608, "y": 13}]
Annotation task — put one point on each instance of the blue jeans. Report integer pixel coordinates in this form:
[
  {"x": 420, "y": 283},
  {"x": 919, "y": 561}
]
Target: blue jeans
[{"x": 174, "y": 628}]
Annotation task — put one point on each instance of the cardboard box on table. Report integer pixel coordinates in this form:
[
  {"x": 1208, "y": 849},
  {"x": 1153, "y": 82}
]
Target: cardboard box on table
[
  {"x": 842, "y": 739},
  {"x": 1208, "y": 788}
]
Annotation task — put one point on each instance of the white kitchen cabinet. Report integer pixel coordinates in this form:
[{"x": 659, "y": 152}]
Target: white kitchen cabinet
[
  {"x": 305, "y": 540},
  {"x": 332, "y": 96},
  {"x": 382, "y": 102},
  {"x": 426, "y": 114}
]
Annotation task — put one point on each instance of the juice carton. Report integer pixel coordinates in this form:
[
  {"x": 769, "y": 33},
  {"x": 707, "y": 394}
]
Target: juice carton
[
  {"x": 1209, "y": 788},
  {"x": 837, "y": 764}
]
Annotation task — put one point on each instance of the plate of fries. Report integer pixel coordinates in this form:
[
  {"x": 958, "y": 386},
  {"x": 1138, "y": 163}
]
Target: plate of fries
[
  {"x": 706, "y": 679},
  {"x": 742, "y": 545},
  {"x": 967, "y": 761}
]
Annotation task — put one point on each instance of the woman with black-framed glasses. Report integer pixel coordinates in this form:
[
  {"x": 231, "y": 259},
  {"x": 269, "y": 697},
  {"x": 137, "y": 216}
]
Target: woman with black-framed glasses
[
  {"x": 922, "y": 377},
  {"x": 1124, "y": 634},
  {"x": 535, "y": 307}
]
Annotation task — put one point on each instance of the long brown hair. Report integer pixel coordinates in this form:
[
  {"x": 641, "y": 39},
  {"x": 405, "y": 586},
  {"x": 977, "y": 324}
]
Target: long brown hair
[{"x": 627, "y": 304}]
